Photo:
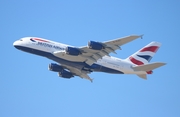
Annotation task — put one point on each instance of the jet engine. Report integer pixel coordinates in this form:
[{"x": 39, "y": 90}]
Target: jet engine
[
  {"x": 73, "y": 51},
  {"x": 61, "y": 71},
  {"x": 95, "y": 45},
  {"x": 55, "y": 67},
  {"x": 65, "y": 74}
]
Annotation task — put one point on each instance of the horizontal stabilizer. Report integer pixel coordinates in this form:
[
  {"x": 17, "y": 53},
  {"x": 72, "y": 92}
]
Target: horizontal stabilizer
[{"x": 148, "y": 67}]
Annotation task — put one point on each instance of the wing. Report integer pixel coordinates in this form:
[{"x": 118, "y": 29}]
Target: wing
[
  {"x": 78, "y": 72},
  {"x": 92, "y": 55}
]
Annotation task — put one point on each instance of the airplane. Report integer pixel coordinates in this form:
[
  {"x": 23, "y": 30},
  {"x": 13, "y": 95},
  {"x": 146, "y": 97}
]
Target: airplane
[{"x": 81, "y": 61}]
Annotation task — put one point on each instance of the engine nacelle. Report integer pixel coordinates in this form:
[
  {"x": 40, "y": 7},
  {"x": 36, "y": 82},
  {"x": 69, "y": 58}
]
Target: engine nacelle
[
  {"x": 55, "y": 67},
  {"x": 73, "y": 51},
  {"x": 65, "y": 74},
  {"x": 95, "y": 45}
]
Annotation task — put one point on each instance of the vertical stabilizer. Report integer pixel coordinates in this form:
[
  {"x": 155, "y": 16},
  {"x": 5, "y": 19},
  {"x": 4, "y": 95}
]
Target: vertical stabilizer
[{"x": 144, "y": 55}]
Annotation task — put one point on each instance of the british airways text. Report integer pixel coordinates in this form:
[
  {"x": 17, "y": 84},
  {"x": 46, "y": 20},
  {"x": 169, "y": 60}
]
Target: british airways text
[{"x": 49, "y": 45}]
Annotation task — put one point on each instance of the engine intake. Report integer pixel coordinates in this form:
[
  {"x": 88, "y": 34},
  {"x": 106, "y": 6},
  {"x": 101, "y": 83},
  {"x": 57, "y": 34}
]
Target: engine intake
[
  {"x": 95, "y": 45},
  {"x": 73, "y": 51},
  {"x": 55, "y": 67},
  {"x": 65, "y": 74}
]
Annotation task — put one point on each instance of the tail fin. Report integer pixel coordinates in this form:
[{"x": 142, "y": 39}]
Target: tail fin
[{"x": 144, "y": 55}]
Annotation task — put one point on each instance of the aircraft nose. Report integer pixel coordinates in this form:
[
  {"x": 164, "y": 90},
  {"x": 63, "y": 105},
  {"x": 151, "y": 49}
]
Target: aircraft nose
[{"x": 16, "y": 44}]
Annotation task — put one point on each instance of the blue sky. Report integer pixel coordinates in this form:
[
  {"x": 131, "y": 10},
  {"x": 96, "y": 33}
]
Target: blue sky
[{"x": 28, "y": 89}]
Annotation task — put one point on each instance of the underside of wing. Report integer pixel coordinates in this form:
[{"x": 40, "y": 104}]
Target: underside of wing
[
  {"x": 68, "y": 72},
  {"x": 78, "y": 72},
  {"x": 94, "y": 50}
]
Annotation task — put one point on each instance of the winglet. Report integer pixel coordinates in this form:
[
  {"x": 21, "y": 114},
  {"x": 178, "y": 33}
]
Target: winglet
[{"x": 91, "y": 80}]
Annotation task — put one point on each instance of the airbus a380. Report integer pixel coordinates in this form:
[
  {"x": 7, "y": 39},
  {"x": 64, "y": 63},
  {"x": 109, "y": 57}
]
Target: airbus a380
[{"x": 81, "y": 61}]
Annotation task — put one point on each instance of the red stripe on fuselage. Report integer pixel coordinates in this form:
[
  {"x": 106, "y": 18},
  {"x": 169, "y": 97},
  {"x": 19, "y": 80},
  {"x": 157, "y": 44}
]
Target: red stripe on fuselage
[
  {"x": 137, "y": 62},
  {"x": 40, "y": 40},
  {"x": 150, "y": 48}
]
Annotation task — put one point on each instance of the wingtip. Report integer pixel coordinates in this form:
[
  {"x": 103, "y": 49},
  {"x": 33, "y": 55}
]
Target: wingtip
[
  {"x": 164, "y": 63},
  {"x": 91, "y": 80},
  {"x": 141, "y": 36},
  {"x": 138, "y": 36}
]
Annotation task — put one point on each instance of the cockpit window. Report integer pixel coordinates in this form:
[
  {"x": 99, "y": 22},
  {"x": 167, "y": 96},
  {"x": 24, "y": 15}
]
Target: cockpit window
[
  {"x": 32, "y": 40},
  {"x": 20, "y": 40}
]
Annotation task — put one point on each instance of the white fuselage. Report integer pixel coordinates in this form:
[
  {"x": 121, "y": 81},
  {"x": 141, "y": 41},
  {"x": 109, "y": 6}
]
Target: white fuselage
[{"x": 49, "y": 47}]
